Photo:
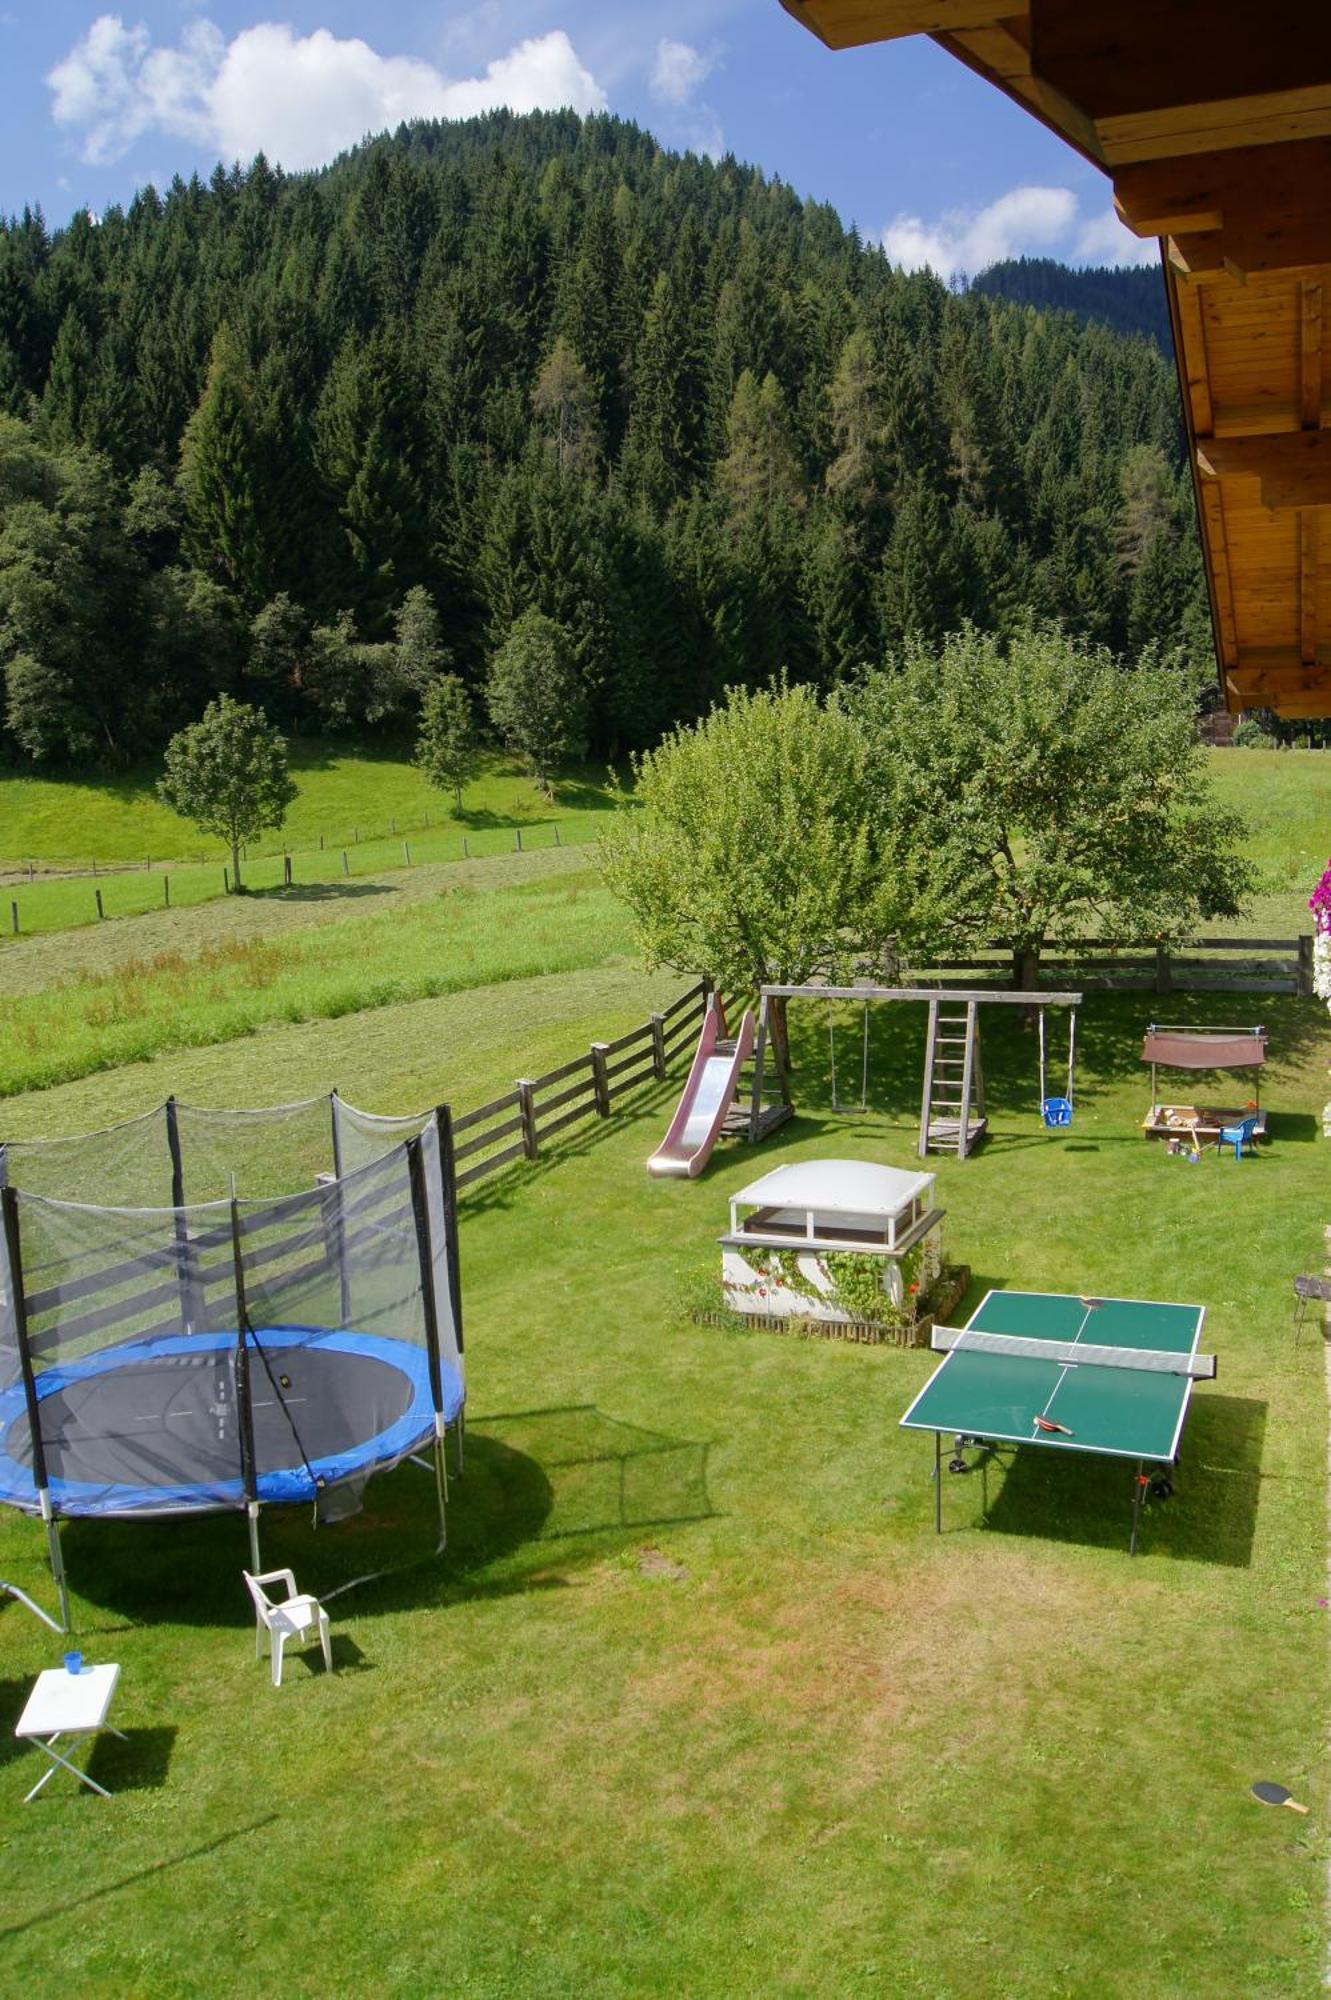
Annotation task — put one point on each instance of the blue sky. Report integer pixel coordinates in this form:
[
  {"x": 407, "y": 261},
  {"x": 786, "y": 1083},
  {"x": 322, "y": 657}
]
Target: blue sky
[{"x": 900, "y": 138}]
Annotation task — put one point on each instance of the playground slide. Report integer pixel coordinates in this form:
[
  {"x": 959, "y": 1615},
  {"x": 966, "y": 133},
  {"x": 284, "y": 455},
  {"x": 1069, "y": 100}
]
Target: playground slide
[{"x": 687, "y": 1146}]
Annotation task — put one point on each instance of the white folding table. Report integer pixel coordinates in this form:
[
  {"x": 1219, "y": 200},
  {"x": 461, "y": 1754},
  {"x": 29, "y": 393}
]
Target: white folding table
[{"x": 65, "y": 1704}]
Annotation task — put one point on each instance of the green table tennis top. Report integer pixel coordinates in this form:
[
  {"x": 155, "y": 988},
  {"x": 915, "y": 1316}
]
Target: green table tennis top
[{"x": 1121, "y": 1412}]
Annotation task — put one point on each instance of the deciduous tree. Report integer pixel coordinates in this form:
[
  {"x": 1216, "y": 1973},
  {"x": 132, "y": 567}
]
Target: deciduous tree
[{"x": 227, "y": 774}]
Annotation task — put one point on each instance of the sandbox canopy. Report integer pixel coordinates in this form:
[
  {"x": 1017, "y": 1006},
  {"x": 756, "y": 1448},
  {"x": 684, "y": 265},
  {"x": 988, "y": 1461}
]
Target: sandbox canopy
[{"x": 1204, "y": 1048}]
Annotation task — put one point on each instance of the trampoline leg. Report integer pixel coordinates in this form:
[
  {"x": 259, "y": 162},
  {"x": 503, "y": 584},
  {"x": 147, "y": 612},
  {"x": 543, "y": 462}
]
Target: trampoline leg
[
  {"x": 252, "y": 1510},
  {"x": 938, "y": 1482},
  {"x": 1137, "y": 1505},
  {"x": 461, "y": 1425},
  {"x": 57, "y": 1562},
  {"x": 441, "y": 1489}
]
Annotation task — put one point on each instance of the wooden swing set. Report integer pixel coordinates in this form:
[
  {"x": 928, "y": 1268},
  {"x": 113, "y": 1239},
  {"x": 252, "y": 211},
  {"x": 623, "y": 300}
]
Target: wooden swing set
[{"x": 952, "y": 1113}]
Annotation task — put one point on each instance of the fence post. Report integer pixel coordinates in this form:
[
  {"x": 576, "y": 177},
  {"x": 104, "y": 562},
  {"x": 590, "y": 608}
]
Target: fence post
[
  {"x": 406, "y": 850},
  {"x": 98, "y": 894},
  {"x": 600, "y": 1081},
  {"x": 286, "y": 871},
  {"x": 558, "y": 841},
  {"x": 527, "y": 1106},
  {"x": 466, "y": 851},
  {"x": 226, "y": 881},
  {"x": 657, "y": 1025},
  {"x": 346, "y": 865},
  {"x": 166, "y": 892},
  {"x": 1304, "y": 975},
  {"x": 1163, "y": 982},
  {"x": 517, "y": 840},
  {"x": 13, "y": 917}
]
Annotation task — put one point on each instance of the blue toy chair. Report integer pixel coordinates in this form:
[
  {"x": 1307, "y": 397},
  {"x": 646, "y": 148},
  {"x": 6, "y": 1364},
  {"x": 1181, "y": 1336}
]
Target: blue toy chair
[{"x": 1238, "y": 1136}]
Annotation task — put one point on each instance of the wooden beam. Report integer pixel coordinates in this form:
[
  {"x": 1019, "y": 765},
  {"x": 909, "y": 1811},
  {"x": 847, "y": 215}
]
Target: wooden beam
[
  {"x": 1216, "y": 543},
  {"x": 1282, "y": 682},
  {"x": 1310, "y": 354},
  {"x": 850, "y": 24},
  {"x": 1294, "y": 471},
  {"x": 1192, "y": 360},
  {"x": 1001, "y": 54},
  {"x": 1270, "y": 120},
  {"x": 1154, "y": 55},
  {"x": 1257, "y": 208},
  {"x": 1308, "y": 537}
]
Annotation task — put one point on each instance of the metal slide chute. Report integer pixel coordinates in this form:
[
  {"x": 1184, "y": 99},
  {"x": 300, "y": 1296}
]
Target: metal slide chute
[{"x": 707, "y": 1097}]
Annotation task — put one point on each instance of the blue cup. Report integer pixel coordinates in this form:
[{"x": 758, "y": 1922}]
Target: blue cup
[{"x": 73, "y": 1663}]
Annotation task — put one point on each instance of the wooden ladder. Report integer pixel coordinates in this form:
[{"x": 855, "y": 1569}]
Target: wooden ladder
[{"x": 952, "y": 1116}]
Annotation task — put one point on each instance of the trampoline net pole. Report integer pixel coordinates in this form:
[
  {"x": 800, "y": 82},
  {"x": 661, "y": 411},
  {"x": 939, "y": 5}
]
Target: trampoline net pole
[
  {"x": 252, "y": 1515},
  {"x": 18, "y": 1328}
]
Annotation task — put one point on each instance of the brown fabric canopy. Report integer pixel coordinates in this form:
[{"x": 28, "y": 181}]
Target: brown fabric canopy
[{"x": 1203, "y": 1048}]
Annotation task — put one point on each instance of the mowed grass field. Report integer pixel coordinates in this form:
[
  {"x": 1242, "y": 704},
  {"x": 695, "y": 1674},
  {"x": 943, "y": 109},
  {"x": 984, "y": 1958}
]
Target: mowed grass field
[{"x": 695, "y": 1702}]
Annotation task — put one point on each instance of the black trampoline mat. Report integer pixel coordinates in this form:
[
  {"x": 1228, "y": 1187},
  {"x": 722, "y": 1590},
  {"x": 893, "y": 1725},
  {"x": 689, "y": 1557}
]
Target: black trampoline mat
[{"x": 172, "y": 1420}]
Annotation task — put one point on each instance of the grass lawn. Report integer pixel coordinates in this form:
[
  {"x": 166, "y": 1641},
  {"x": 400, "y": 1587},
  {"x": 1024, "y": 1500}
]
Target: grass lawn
[
  {"x": 356, "y": 816},
  {"x": 696, "y": 1702}
]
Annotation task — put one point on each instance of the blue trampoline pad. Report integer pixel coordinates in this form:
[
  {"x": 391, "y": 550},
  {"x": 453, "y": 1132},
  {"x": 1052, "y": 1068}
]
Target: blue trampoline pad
[{"x": 154, "y": 1426}]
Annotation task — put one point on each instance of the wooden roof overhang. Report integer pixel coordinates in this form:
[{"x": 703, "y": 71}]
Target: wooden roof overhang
[{"x": 1213, "y": 120}]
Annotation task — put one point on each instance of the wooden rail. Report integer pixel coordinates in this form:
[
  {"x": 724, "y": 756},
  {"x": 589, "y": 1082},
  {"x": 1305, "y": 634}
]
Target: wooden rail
[
  {"x": 1147, "y": 965},
  {"x": 587, "y": 1086}
]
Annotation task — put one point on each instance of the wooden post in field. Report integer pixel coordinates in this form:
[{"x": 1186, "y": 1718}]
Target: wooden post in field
[
  {"x": 1163, "y": 982},
  {"x": 13, "y": 917},
  {"x": 406, "y": 850},
  {"x": 226, "y": 881},
  {"x": 517, "y": 837},
  {"x": 527, "y": 1106},
  {"x": 346, "y": 865},
  {"x": 558, "y": 842},
  {"x": 321, "y": 843},
  {"x": 657, "y": 1024},
  {"x": 466, "y": 851},
  {"x": 286, "y": 871},
  {"x": 600, "y": 1081},
  {"x": 1304, "y": 974},
  {"x": 100, "y": 911},
  {"x": 166, "y": 891}
]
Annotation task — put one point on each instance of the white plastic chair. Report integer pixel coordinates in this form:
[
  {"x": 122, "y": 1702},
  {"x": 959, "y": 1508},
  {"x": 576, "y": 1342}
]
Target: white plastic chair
[{"x": 297, "y": 1617}]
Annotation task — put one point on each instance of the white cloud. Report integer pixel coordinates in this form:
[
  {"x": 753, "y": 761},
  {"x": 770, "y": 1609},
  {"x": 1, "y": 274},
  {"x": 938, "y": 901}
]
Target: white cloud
[
  {"x": 1102, "y": 239},
  {"x": 677, "y": 72},
  {"x": 1024, "y": 219},
  {"x": 299, "y": 98}
]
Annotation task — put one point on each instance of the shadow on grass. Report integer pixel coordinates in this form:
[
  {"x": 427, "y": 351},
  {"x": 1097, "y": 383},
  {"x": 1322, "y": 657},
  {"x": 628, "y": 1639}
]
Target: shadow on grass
[
  {"x": 571, "y": 1475},
  {"x": 137, "y": 1762},
  {"x": 53, "y": 1912},
  {"x": 339, "y": 890},
  {"x": 1070, "y": 1497}
]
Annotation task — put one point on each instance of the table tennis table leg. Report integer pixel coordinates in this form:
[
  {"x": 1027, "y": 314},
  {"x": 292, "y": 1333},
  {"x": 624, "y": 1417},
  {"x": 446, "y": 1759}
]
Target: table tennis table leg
[
  {"x": 1137, "y": 1491},
  {"x": 938, "y": 1482}
]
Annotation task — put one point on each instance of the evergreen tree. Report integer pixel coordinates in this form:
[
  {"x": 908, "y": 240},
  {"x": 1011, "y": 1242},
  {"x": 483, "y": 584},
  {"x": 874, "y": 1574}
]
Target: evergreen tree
[
  {"x": 759, "y": 468},
  {"x": 219, "y": 475}
]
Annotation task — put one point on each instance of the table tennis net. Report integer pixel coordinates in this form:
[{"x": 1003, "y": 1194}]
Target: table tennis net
[{"x": 1075, "y": 1353}]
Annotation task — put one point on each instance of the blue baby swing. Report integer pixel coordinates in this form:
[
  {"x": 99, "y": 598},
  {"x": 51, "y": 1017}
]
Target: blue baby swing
[{"x": 1057, "y": 1111}]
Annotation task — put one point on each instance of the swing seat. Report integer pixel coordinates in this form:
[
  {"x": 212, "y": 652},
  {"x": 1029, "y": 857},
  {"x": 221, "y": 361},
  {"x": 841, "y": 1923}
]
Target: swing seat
[{"x": 1056, "y": 1111}]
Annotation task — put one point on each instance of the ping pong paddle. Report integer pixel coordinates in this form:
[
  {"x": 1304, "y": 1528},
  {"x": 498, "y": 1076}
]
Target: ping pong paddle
[
  {"x": 1047, "y": 1424},
  {"x": 1275, "y": 1795}
]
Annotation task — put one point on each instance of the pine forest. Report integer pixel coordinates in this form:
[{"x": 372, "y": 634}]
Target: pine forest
[{"x": 310, "y": 440}]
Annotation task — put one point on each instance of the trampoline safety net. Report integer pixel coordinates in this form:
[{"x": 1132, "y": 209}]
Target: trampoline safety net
[{"x": 211, "y": 1353}]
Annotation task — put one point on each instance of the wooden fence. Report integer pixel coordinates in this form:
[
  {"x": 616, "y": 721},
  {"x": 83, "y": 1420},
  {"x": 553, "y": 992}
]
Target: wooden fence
[
  {"x": 516, "y": 1125},
  {"x": 1206, "y": 965}
]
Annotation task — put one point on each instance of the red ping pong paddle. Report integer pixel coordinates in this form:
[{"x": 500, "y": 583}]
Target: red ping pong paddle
[{"x": 1047, "y": 1424}]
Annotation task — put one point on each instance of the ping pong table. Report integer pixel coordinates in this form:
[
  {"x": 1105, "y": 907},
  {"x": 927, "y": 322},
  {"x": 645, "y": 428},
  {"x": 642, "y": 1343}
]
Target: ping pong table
[{"x": 1112, "y": 1377}]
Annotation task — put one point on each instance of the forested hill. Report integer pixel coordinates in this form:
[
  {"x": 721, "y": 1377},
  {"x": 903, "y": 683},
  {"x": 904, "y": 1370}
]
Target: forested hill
[
  {"x": 539, "y": 361},
  {"x": 1130, "y": 300}
]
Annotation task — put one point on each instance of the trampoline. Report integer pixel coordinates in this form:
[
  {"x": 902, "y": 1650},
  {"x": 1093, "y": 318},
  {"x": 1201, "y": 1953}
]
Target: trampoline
[
  {"x": 230, "y": 1354},
  {"x": 154, "y": 1426}
]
